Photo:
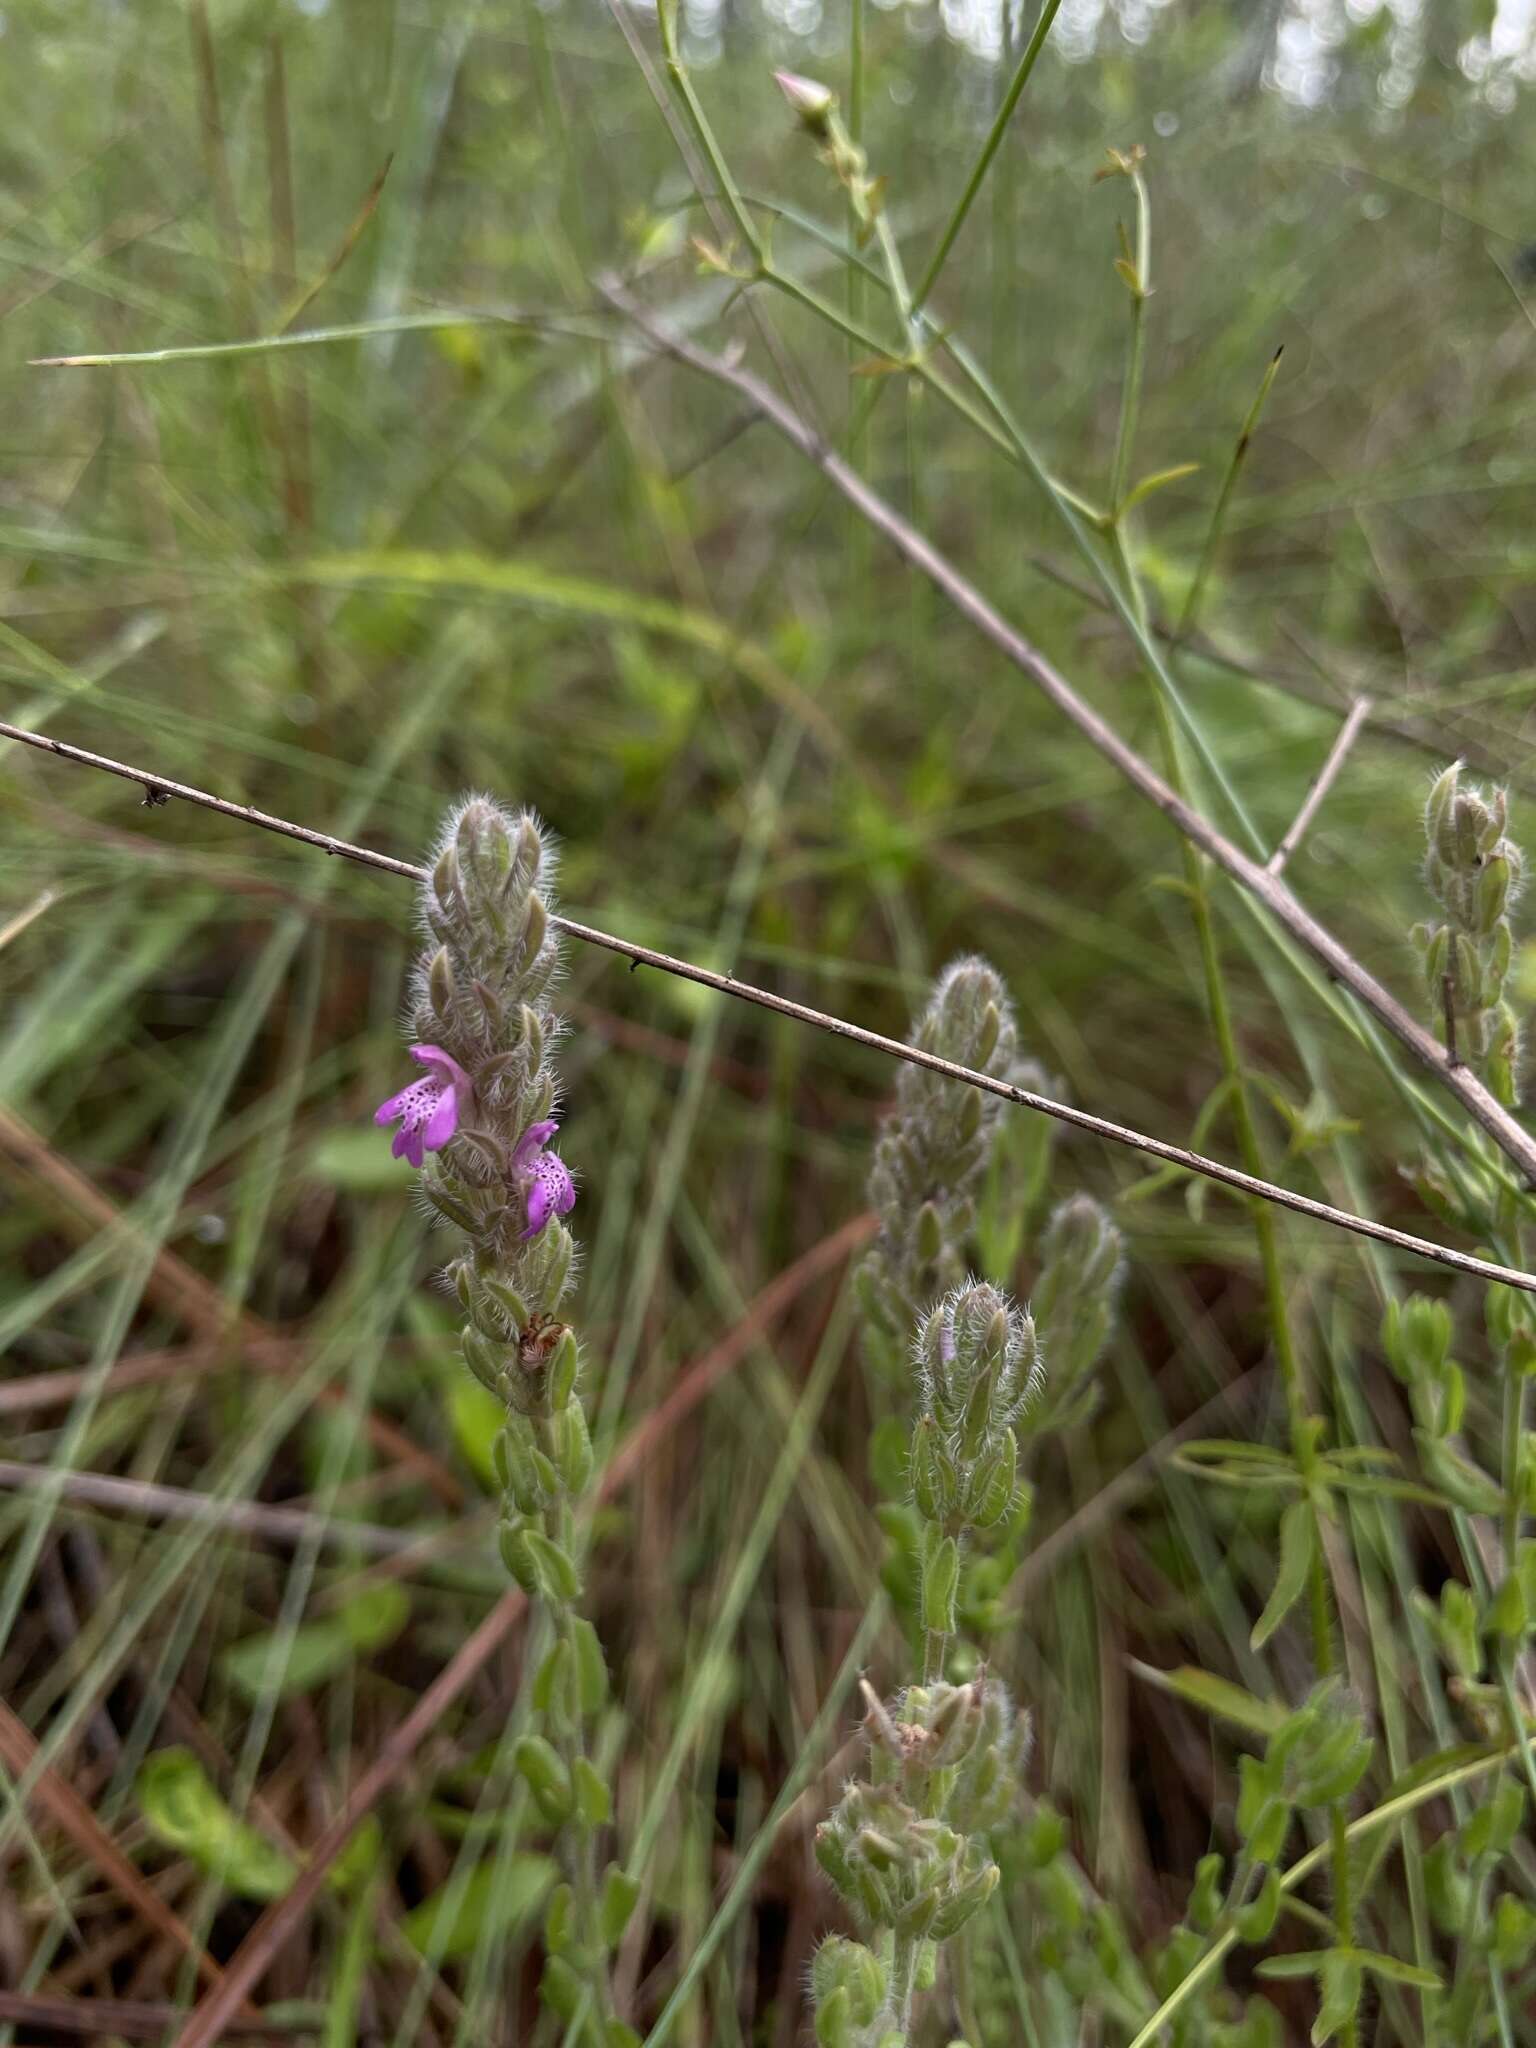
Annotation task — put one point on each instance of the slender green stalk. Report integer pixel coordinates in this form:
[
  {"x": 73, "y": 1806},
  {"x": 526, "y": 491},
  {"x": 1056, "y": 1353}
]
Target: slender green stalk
[
  {"x": 1191, "y": 606},
  {"x": 704, "y": 135},
  {"x": 904, "y": 1955},
  {"x": 1130, "y": 405},
  {"x": 988, "y": 150},
  {"x": 1250, "y": 1148}
]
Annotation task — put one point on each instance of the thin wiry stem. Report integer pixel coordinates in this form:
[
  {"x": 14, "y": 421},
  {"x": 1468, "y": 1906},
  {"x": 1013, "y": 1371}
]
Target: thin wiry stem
[
  {"x": 989, "y": 149},
  {"x": 730, "y": 985}
]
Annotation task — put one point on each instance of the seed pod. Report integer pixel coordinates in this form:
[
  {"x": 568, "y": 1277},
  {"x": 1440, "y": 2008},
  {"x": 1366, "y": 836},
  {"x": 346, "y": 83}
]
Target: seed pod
[
  {"x": 930, "y": 1234},
  {"x": 563, "y": 1365},
  {"x": 546, "y": 1777},
  {"x": 620, "y": 1894},
  {"x": 559, "y": 1921},
  {"x": 483, "y": 1358},
  {"x": 941, "y": 1578},
  {"x": 995, "y": 1484},
  {"x": 594, "y": 1802},
  {"x": 511, "y": 1540},
  {"x": 572, "y": 1448},
  {"x": 507, "y": 1299},
  {"x": 591, "y": 1667},
  {"x": 447, "y": 882},
  {"x": 934, "y": 1485}
]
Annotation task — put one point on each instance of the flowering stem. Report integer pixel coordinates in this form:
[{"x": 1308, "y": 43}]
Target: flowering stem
[{"x": 578, "y": 1848}]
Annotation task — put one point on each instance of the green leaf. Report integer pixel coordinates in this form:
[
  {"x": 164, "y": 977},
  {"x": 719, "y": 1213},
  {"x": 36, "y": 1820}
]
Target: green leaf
[
  {"x": 619, "y": 1894},
  {"x": 1255, "y": 1922},
  {"x": 1306, "y": 1962},
  {"x": 1340, "y": 1974},
  {"x": 1216, "y": 1696},
  {"x": 1298, "y": 1553},
  {"x": 359, "y": 1162},
  {"x": 273, "y": 1665},
  {"x": 182, "y": 1809},
  {"x": 1462, "y": 1482},
  {"x": 501, "y": 1897},
  {"x": 1397, "y": 1972},
  {"x": 477, "y": 1418},
  {"x": 1155, "y": 482}
]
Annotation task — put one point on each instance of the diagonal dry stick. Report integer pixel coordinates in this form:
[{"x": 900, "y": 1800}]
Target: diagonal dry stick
[
  {"x": 1322, "y": 782},
  {"x": 728, "y": 984},
  {"x": 1338, "y": 962}
]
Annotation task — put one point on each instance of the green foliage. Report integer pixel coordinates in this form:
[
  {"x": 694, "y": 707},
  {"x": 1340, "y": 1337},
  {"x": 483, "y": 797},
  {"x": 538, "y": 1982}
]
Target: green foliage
[
  {"x": 493, "y": 1900},
  {"x": 283, "y": 1663},
  {"x": 342, "y": 579},
  {"x": 184, "y": 1811}
]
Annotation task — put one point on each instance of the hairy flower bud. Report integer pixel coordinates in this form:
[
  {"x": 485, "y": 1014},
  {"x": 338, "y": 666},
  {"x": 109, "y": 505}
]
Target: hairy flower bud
[
  {"x": 898, "y": 1869},
  {"x": 931, "y": 1152},
  {"x": 992, "y": 1775},
  {"x": 978, "y": 1365},
  {"x": 1073, "y": 1307},
  {"x": 811, "y": 101},
  {"x": 849, "y": 1968},
  {"x": 1474, "y": 873}
]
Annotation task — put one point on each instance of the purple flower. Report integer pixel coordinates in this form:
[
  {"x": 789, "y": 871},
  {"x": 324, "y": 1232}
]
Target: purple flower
[
  {"x": 544, "y": 1179},
  {"x": 429, "y": 1109}
]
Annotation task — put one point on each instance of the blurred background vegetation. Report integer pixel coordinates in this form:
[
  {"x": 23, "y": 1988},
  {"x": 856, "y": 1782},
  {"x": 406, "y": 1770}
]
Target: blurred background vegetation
[{"x": 456, "y": 550}]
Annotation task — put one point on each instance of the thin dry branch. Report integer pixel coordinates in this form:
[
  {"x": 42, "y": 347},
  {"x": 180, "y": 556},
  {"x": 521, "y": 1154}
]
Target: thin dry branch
[
  {"x": 1359, "y": 712},
  {"x": 1511, "y": 1137},
  {"x": 802, "y": 1013}
]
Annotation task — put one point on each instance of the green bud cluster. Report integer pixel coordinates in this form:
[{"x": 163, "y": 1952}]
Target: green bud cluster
[
  {"x": 930, "y": 1156},
  {"x": 1316, "y": 1757},
  {"x": 848, "y": 1987},
  {"x": 1416, "y": 1337},
  {"x": 1497, "y": 1929},
  {"x": 902, "y": 1871},
  {"x": 978, "y": 1367},
  {"x": 816, "y": 108},
  {"x": 1474, "y": 872},
  {"x": 909, "y": 1847},
  {"x": 1073, "y": 1305}
]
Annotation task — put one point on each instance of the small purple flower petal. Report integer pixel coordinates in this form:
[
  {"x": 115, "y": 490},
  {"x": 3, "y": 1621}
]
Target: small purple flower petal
[
  {"x": 428, "y": 1109},
  {"x": 551, "y": 1191},
  {"x": 532, "y": 1142},
  {"x": 538, "y": 1207},
  {"x": 443, "y": 1121},
  {"x": 388, "y": 1111},
  {"x": 446, "y": 1071}
]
